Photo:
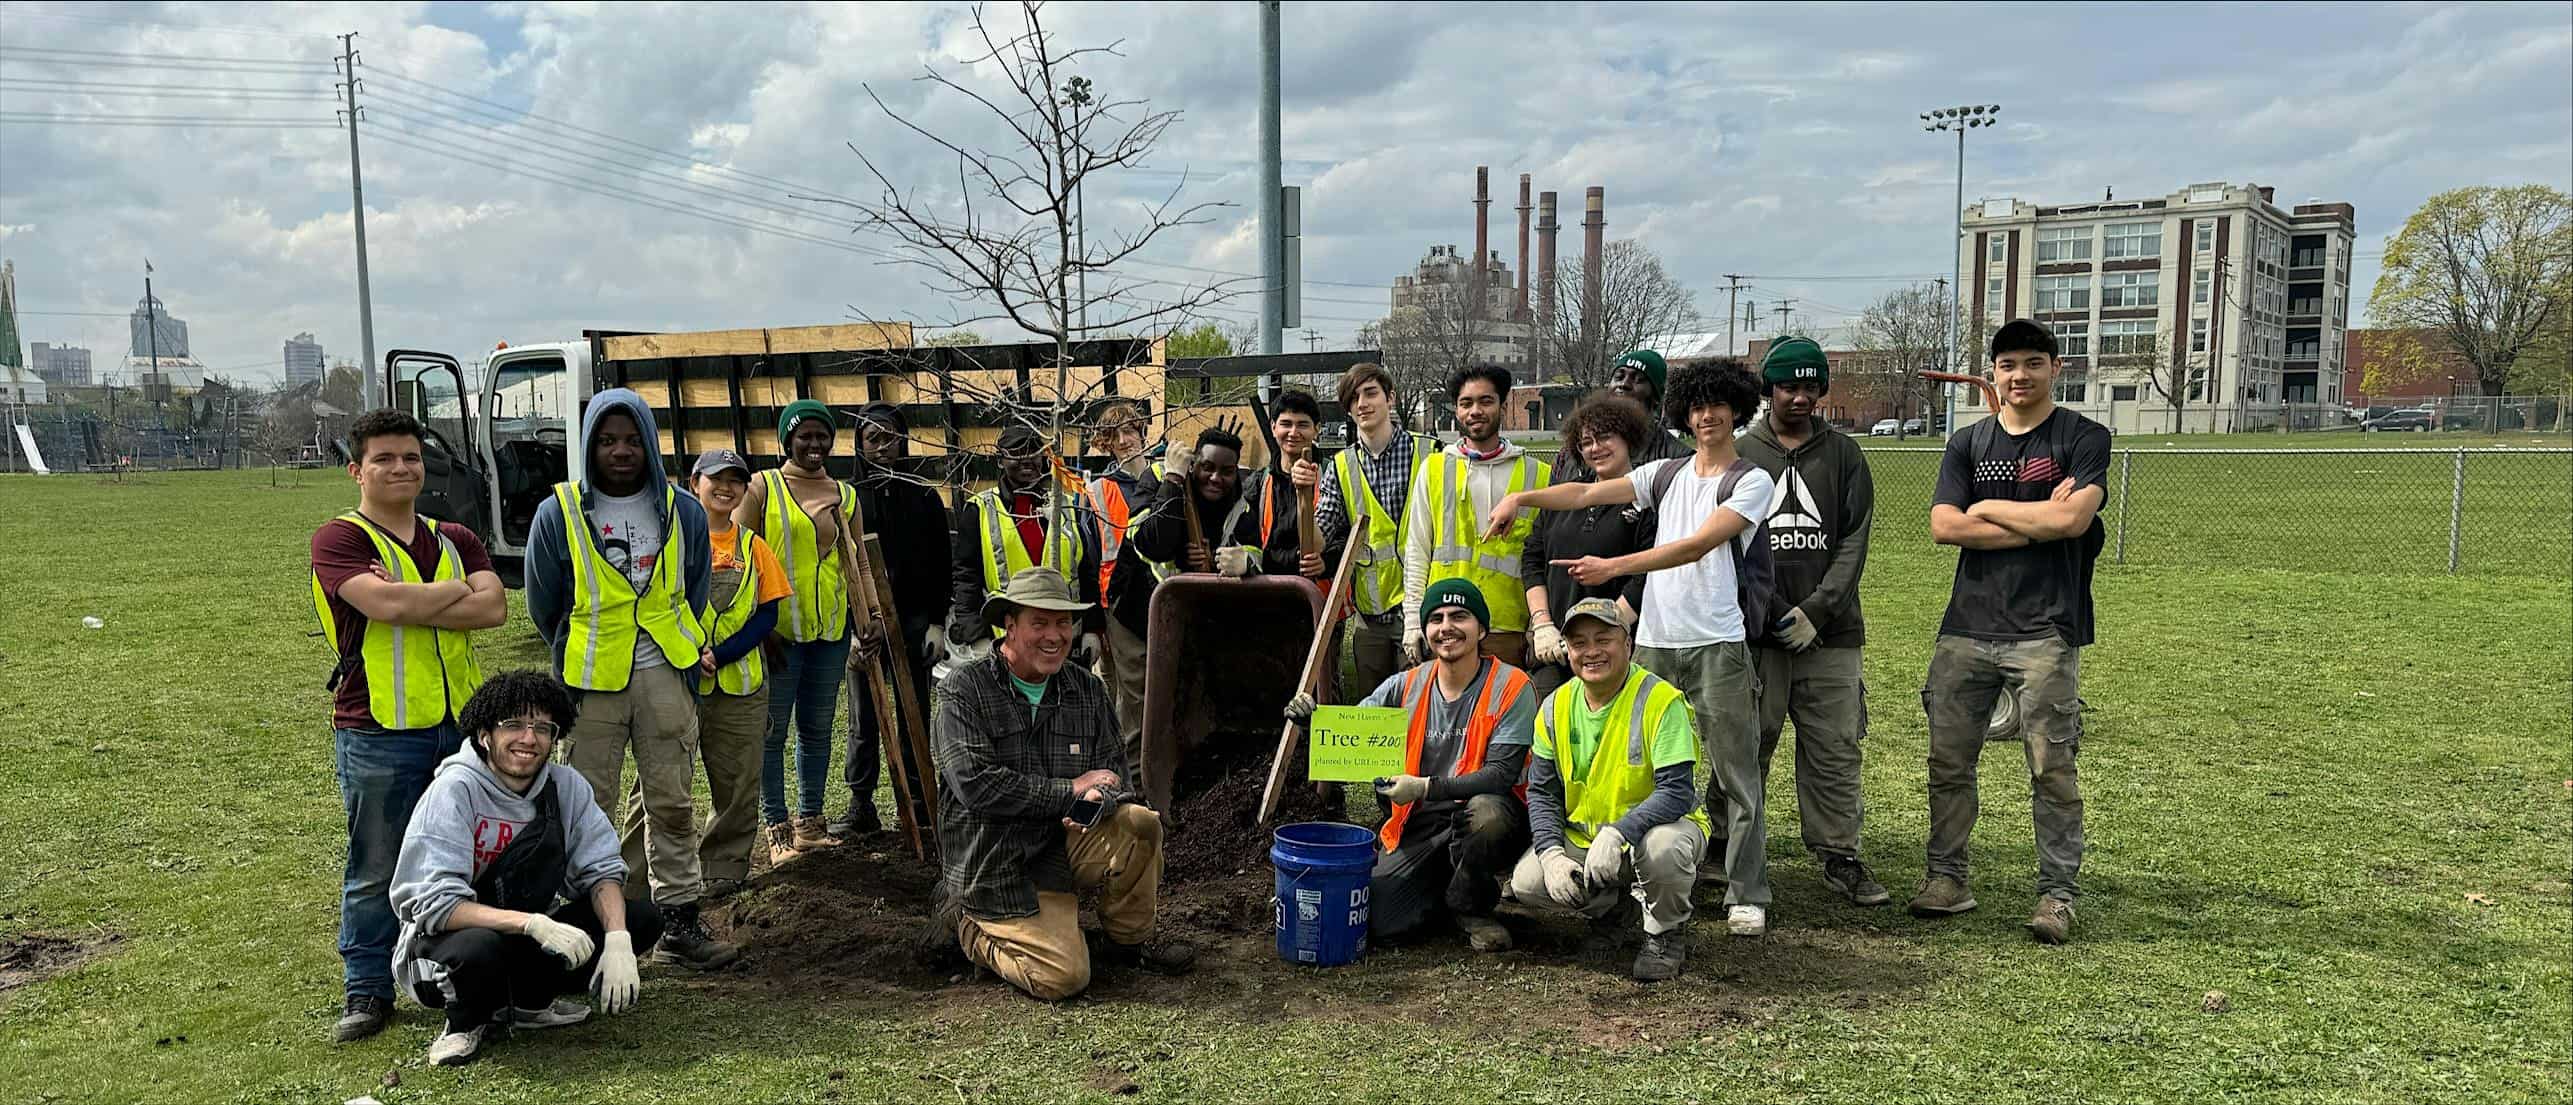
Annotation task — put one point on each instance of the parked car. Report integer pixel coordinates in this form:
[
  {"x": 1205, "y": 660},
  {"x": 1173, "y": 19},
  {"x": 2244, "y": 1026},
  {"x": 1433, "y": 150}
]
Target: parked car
[
  {"x": 1915, "y": 426},
  {"x": 1884, "y": 427},
  {"x": 2413, "y": 421}
]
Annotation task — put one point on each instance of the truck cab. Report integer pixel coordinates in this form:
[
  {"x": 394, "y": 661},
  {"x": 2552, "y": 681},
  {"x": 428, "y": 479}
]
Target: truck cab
[{"x": 495, "y": 453}]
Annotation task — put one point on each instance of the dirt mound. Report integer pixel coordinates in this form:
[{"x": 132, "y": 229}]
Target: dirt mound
[
  {"x": 34, "y": 957},
  {"x": 1215, "y": 831},
  {"x": 850, "y": 917}
]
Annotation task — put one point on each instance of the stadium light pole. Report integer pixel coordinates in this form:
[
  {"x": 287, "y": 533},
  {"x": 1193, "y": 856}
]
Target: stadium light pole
[{"x": 1960, "y": 120}]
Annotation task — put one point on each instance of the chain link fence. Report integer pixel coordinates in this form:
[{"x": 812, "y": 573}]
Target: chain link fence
[{"x": 2481, "y": 511}]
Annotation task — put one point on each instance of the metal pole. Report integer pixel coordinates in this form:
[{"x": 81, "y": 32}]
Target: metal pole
[
  {"x": 357, "y": 218},
  {"x": 1956, "y": 247},
  {"x": 2125, "y": 471},
  {"x": 2456, "y": 511},
  {"x": 1272, "y": 202}
]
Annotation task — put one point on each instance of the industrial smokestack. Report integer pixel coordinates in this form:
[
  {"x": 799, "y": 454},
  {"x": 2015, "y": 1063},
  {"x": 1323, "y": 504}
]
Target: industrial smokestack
[
  {"x": 1519, "y": 312},
  {"x": 1546, "y": 228},
  {"x": 1594, "y": 229},
  {"x": 1482, "y": 240}
]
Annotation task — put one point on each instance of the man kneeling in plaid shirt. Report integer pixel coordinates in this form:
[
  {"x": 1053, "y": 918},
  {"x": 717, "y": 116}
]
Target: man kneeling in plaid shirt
[{"x": 1025, "y": 747}]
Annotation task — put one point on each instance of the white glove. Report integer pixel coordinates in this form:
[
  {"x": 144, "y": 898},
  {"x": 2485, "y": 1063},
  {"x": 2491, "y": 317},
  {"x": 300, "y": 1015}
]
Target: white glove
[
  {"x": 1545, "y": 643},
  {"x": 1563, "y": 879},
  {"x": 1300, "y": 708},
  {"x": 933, "y": 643},
  {"x": 1237, "y": 560},
  {"x": 566, "y": 943},
  {"x": 1799, "y": 633},
  {"x": 1415, "y": 645},
  {"x": 972, "y": 650},
  {"x": 1402, "y": 790},
  {"x": 614, "y": 982},
  {"x": 1606, "y": 858},
  {"x": 1093, "y": 646}
]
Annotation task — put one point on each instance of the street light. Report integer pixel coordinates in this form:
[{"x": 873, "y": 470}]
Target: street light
[{"x": 1960, "y": 120}]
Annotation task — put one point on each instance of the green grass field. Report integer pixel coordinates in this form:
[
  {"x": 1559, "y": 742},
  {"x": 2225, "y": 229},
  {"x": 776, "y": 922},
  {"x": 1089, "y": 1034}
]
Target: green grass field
[{"x": 2321, "y": 779}]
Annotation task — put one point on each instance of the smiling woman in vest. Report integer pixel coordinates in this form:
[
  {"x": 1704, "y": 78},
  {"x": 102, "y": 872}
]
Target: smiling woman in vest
[
  {"x": 1612, "y": 797},
  {"x": 617, "y": 577},
  {"x": 747, "y": 587},
  {"x": 1455, "y": 819},
  {"x": 399, "y": 594}
]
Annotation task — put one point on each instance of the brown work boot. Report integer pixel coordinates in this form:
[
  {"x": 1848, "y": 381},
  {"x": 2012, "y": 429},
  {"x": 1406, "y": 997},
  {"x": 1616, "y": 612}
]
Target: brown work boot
[
  {"x": 809, "y": 834},
  {"x": 781, "y": 844},
  {"x": 2053, "y": 921},
  {"x": 1941, "y": 896},
  {"x": 1164, "y": 957},
  {"x": 1484, "y": 933}
]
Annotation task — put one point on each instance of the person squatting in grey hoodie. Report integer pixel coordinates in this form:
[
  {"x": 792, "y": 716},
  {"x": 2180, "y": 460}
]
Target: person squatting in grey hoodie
[{"x": 510, "y": 887}]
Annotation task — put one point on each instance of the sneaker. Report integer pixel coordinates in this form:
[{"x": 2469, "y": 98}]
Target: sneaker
[
  {"x": 685, "y": 941},
  {"x": 809, "y": 834},
  {"x": 564, "y": 1012},
  {"x": 455, "y": 1049},
  {"x": 2053, "y": 921},
  {"x": 1484, "y": 933},
  {"x": 781, "y": 844},
  {"x": 1167, "y": 957},
  {"x": 1747, "y": 920},
  {"x": 361, "y": 1016},
  {"x": 1941, "y": 896},
  {"x": 1662, "y": 956},
  {"x": 1849, "y": 878},
  {"x": 861, "y": 820}
]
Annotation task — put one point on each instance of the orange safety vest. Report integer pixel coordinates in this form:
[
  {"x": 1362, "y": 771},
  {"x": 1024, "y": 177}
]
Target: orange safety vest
[{"x": 1478, "y": 730}]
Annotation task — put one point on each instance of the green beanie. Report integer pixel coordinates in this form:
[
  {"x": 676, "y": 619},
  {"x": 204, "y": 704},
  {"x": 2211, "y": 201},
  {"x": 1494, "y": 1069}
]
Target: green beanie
[
  {"x": 1655, "y": 368},
  {"x": 800, "y": 410},
  {"x": 1456, "y": 592},
  {"x": 1795, "y": 359}
]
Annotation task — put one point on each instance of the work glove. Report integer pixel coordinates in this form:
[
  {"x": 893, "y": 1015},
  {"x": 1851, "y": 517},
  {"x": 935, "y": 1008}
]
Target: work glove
[
  {"x": 614, "y": 983},
  {"x": 1092, "y": 647},
  {"x": 1545, "y": 643},
  {"x": 1563, "y": 879},
  {"x": 933, "y": 644},
  {"x": 1415, "y": 645},
  {"x": 1401, "y": 790},
  {"x": 1237, "y": 560},
  {"x": 1300, "y": 708},
  {"x": 562, "y": 941},
  {"x": 971, "y": 650},
  {"x": 1796, "y": 631},
  {"x": 1606, "y": 858}
]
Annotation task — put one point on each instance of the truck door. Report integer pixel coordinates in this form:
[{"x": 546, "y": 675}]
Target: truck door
[
  {"x": 431, "y": 386},
  {"x": 528, "y": 413}
]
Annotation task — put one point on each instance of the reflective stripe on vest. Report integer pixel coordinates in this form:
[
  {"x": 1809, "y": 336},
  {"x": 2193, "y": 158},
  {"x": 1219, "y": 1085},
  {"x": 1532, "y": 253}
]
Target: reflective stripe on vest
[
  {"x": 1108, "y": 499},
  {"x": 1378, "y": 581},
  {"x": 1601, "y": 791},
  {"x": 818, "y": 610},
  {"x": 607, "y": 612},
  {"x": 1498, "y": 679},
  {"x": 1457, "y": 550},
  {"x": 749, "y": 673},
  {"x": 417, "y": 676},
  {"x": 1005, "y": 555}
]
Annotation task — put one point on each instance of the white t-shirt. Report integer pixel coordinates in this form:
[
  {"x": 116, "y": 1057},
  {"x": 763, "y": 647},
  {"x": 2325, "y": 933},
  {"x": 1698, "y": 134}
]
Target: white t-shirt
[
  {"x": 1694, "y": 604},
  {"x": 628, "y": 532}
]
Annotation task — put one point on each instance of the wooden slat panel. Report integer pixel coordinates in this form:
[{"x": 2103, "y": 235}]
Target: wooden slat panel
[{"x": 787, "y": 339}]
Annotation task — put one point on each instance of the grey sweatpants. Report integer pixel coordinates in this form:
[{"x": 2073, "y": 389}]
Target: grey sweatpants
[
  {"x": 1965, "y": 679},
  {"x": 1821, "y": 690},
  {"x": 1724, "y": 695}
]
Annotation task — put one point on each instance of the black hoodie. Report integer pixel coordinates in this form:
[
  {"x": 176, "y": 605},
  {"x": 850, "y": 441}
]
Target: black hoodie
[{"x": 1818, "y": 527}]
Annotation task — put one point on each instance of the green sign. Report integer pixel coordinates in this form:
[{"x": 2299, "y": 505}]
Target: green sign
[{"x": 1356, "y": 744}]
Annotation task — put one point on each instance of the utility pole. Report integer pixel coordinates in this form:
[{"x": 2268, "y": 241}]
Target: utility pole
[
  {"x": 1272, "y": 202},
  {"x": 357, "y": 214},
  {"x": 1076, "y": 92},
  {"x": 1312, "y": 340},
  {"x": 1732, "y": 292},
  {"x": 152, "y": 338},
  {"x": 1784, "y": 306}
]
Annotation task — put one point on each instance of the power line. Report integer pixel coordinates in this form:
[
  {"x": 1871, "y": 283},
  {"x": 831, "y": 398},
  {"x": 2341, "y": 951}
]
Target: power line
[
  {"x": 113, "y": 88},
  {"x": 208, "y": 28},
  {"x": 60, "y": 51},
  {"x": 219, "y": 122}
]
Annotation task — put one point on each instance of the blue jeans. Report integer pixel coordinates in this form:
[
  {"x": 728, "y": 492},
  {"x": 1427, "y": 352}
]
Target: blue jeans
[
  {"x": 803, "y": 690},
  {"x": 382, "y": 773}
]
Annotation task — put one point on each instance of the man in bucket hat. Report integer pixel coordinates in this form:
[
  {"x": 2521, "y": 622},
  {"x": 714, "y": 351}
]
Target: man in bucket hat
[{"x": 1036, "y": 806}]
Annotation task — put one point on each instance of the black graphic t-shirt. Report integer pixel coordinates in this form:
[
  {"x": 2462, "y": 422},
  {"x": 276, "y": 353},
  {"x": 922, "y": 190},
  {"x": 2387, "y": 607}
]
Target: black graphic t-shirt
[{"x": 2041, "y": 589}]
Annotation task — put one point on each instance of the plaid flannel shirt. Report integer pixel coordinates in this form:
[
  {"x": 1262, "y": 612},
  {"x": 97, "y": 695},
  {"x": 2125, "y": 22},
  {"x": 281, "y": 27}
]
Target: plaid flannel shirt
[{"x": 1008, "y": 770}]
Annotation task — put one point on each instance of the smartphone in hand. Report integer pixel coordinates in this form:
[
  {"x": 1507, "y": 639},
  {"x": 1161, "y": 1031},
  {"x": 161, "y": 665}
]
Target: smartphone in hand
[{"x": 1087, "y": 813}]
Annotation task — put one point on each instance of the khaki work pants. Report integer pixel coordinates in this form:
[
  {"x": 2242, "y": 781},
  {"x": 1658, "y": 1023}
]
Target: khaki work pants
[
  {"x": 730, "y": 728},
  {"x": 656, "y": 717},
  {"x": 1043, "y": 954}
]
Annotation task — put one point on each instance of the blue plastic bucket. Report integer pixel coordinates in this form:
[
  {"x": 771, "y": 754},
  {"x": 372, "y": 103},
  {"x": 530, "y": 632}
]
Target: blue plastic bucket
[{"x": 1322, "y": 871}]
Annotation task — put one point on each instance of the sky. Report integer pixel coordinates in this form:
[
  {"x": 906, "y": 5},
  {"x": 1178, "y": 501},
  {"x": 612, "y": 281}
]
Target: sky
[{"x": 532, "y": 170}]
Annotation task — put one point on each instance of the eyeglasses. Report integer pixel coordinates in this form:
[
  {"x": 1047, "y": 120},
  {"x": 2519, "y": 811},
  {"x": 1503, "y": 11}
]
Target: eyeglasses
[{"x": 514, "y": 726}]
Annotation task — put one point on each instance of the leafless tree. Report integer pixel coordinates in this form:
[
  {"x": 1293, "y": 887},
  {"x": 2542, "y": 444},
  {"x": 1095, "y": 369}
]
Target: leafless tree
[
  {"x": 2164, "y": 365},
  {"x": 1898, "y": 335},
  {"x": 1639, "y": 302},
  {"x": 1428, "y": 341}
]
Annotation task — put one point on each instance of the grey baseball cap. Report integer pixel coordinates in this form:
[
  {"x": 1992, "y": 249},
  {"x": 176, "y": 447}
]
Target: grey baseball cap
[{"x": 717, "y": 460}]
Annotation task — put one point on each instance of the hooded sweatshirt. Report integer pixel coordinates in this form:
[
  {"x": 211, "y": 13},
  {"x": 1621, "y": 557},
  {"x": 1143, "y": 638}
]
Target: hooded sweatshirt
[
  {"x": 1485, "y": 482},
  {"x": 1818, "y": 524},
  {"x": 549, "y": 562},
  {"x": 464, "y": 821}
]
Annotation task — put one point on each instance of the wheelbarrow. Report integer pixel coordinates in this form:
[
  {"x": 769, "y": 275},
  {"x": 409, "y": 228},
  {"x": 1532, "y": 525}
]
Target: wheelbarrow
[{"x": 1221, "y": 658}]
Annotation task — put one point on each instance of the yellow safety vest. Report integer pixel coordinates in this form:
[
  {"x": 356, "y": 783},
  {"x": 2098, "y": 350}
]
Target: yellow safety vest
[
  {"x": 1116, "y": 517},
  {"x": 607, "y": 611},
  {"x": 1004, "y": 555},
  {"x": 749, "y": 673},
  {"x": 1377, "y": 582},
  {"x": 1457, "y": 549},
  {"x": 1603, "y": 790},
  {"x": 417, "y": 676},
  {"x": 819, "y": 608}
]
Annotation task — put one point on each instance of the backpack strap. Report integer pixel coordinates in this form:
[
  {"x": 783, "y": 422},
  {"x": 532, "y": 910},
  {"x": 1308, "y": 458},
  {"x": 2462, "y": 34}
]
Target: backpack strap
[
  {"x": 1724, "y": 490},
  {"x": 1664, "y": 477}
]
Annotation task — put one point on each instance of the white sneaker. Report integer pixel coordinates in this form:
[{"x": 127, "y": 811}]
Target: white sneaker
[
  {"x": 455, "y": 1049},
  {"x": 563, "y": 1012},
  {"x": 1747, "y": 920}
]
